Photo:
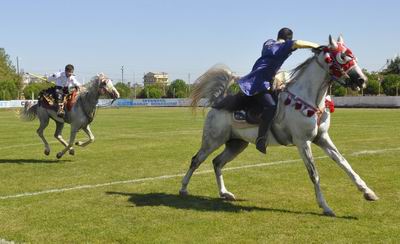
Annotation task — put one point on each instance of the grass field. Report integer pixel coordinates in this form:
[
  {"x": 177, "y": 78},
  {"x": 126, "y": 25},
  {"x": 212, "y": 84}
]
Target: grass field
[{"x": 276, "y": 202}]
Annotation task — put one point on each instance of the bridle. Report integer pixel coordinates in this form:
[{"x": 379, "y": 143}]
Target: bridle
[{"x": 340, "y": 61}]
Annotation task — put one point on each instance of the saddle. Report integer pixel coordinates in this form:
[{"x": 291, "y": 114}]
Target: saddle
[
  {"x": 46, "y": 98},
  {"x": 246, "y": 109}
]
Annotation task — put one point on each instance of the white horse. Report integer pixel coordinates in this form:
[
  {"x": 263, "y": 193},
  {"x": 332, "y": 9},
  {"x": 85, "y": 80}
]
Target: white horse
[
  {"x": 80, "y": 116},
  {"x": 300, "y": 120}
]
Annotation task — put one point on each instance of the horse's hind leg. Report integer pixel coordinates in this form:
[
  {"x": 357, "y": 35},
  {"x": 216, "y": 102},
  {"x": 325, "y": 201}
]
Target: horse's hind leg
[
  {"x": 197, "y": 159},
  {"x": 44, "y": 121},
  {"x": 216, "y": 132},
  {"x": 304, "y": 149},
  {"x": 58, "y": 136},
  {"x": 90, "y": 140},
  {"x": 325, "y": 142},
  {"x": 233, "y": 148}
]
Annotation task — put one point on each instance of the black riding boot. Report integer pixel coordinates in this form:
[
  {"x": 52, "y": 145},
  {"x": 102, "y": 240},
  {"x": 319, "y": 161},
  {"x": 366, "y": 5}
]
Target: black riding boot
[{"x": 267, "y": 118}]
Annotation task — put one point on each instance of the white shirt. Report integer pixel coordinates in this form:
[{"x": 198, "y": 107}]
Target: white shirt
[{"x": 62, "y": 80}]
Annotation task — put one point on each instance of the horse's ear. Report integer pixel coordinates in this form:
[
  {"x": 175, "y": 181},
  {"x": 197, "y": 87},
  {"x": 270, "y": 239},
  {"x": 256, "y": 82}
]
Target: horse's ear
[
  {"x": 340, "y": 39},
  {"x": 332, "y": 43}
]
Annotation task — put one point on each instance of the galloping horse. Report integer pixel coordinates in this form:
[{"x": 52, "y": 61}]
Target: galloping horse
[
  {"x": 300, "y": 120},
  {"x": 80, "y": 115}
]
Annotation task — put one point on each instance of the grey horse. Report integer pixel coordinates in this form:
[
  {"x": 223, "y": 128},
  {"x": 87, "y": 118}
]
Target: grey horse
[
  {"x": 80, "y": 116},
  {"x": 301, "y": 117}
]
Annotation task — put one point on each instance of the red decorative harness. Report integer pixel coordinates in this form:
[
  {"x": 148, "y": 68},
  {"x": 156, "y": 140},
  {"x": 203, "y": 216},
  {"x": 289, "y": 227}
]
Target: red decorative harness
[{"x": 340, "y": 60}]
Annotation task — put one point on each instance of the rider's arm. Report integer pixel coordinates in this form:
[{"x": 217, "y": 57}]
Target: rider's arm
[
  {"x": 304, "y": 44},
  {"x": 76, "y": 83},
  {"x": 54, "y": 76}
]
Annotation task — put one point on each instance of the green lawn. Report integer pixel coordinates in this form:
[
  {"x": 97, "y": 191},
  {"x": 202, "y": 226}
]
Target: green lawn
[{"x": 276, "y": 203}]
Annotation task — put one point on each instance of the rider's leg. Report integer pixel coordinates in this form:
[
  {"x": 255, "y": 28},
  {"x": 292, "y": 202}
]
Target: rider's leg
[
  {"x": 60, "y": 101},
  {"x": 269, "y": 109}
]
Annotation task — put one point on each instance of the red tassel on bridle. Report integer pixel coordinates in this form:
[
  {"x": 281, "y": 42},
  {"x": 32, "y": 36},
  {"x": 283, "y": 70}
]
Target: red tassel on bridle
[
  {"x": 287, "y": 101},
  {"x": 298, "y": 105}
]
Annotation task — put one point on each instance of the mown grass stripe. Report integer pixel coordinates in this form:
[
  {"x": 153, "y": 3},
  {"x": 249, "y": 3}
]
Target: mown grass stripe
[{"x": 80, "y": 187}]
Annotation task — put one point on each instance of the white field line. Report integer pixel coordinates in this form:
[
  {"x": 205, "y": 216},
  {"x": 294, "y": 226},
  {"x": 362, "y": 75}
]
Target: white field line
[
  {"x": 79, "y": 187},
  {"x": 3, "y": 241}
]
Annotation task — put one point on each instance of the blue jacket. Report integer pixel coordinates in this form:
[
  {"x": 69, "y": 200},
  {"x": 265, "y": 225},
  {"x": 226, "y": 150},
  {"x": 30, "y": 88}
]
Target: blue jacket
[{"x": 264, "y": 70}]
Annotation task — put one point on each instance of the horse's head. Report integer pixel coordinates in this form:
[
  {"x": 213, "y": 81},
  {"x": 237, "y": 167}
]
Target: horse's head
[
  {"x": 106, "y": 86},
  {"x": 343, "y": 66}
]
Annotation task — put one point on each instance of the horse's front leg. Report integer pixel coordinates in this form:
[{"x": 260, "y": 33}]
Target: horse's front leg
[
  {"x": 90, "y": 140},
  {"x": 70, "y": 144},
  {"x": 58, "y": 136},
  {"x": 304, "y": 149},
  {"x": 325, "y": 142}
]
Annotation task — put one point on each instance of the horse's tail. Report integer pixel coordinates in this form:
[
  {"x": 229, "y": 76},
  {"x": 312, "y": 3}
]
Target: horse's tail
[
  {"x": 29, "y": 112},
  {"x": 212, "y": 85}
]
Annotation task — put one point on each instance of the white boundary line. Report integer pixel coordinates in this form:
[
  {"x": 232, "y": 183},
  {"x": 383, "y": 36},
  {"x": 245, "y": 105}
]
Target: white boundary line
[
  {"x": 3, "y": 241},
  {"x": 79, "y": 187}
]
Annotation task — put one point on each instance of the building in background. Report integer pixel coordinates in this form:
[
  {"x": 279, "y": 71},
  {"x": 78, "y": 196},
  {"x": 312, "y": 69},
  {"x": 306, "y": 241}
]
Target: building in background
[{"x": 151, "y": 78}]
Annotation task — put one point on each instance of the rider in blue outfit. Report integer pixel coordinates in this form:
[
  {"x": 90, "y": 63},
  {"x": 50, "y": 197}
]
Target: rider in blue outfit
[{"x": 259, "y": 81}]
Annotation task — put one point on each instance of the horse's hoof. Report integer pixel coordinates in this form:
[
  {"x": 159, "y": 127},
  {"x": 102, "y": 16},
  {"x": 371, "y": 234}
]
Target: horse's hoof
[
  {"x": 183, "y": 193},
  {"x": 59, "y": 155},
  {"x": 329, "y": 213},
  {"x": 72, "y": 152},
  {"x": 47, "y": 152},
  {"x": 370, "y": 196},
  {"x": 78, "y": 143},
  {"x": 228, "y": 196}
]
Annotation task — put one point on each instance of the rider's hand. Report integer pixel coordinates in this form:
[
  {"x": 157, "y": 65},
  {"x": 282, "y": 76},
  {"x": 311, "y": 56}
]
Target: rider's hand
[{"x": 317, "y": 49}]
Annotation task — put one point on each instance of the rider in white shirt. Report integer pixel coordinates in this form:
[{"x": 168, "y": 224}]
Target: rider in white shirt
[{"x": 65, "y": 83}]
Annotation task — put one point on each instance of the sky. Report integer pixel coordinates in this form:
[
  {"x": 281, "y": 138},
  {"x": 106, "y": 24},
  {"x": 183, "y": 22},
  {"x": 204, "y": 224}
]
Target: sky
[{"x": 184, "y": 38}]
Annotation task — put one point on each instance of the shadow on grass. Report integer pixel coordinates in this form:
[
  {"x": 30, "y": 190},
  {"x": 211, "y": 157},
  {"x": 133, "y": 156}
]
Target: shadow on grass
[
  {"x": 32, "y": 161},
  {"x": 200, "y": 203}
]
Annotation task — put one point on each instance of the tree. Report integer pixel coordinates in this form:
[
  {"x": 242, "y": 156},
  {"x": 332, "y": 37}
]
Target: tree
[
  {"x": 136, "y": 90},
  {"x": 8, "y": 90},
  {"x": 151, "y": 91},
  {"x": 9, "y": 78},
  {"x": 338, "y": 90},
  {"x": 123, "y": 89},
  {"x": 372, "y": 84},
  {"x": 391, "y": 84},
  {"x": 35, "y": 88},
  {"x": 393, "y": 66},
  {"x": 178, "y": 89}
]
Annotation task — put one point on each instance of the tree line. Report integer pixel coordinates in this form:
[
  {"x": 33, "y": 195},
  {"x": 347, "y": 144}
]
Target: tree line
[{"x": 385, "y": 82}]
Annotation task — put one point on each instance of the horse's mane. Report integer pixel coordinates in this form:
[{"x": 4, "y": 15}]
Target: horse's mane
[
  {"x": 296, "y": 72},
  {"x": 93, "y": 83}
]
